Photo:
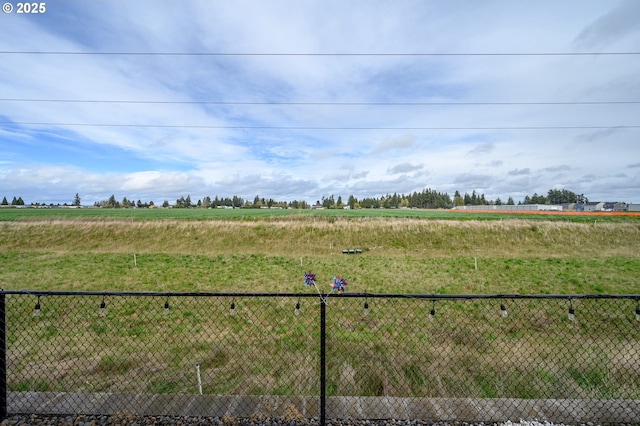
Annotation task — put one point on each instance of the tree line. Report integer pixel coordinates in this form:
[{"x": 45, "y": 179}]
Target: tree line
[{"x": 425, "y": 199}]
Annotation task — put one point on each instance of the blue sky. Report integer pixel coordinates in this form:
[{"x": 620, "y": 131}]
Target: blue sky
[{"x": 222, "y": 124}]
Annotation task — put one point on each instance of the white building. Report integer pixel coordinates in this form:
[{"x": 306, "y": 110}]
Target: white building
[{"x": 513, "y": 208}]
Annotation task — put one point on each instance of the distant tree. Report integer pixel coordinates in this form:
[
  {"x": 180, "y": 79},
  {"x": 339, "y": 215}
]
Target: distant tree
[
  {"x": 4, "y": 201},
  {"x": 329, "y": 202},
  {"x": 510, "y": 201},
  {"x": 352, "y": 202},
  {"x": 537, "y": 199},
  {"x": 498, "y": 201},
  {"x": 112, "y": 201},
  {"x": 76, "y": 200},
  {"x": 14, "y": 202},
  {"x": 237, "y": 202},
  {"x": 165, "y": 203},
  {"x": 457, "y": 199}
]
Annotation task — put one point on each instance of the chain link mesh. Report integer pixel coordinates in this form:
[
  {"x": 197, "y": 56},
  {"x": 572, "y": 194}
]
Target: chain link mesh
[{"x": 464, "y": 359}]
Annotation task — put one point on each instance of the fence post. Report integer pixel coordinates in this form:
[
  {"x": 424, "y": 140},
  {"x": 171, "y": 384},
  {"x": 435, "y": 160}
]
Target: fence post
[
  {"x": 323, "y": 364},
  {"x": 3, "y": 359}
]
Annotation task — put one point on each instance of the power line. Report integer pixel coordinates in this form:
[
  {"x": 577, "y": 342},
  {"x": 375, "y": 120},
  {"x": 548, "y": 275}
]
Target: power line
[
  {"x": 325, "y": 54},
  {"x": 192, "y": 126},
  {"x": 437, "y": 103}
]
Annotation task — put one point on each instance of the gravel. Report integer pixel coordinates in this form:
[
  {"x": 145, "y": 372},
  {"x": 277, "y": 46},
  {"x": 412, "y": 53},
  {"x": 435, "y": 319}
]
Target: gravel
[{"x": 124, "y": 419}]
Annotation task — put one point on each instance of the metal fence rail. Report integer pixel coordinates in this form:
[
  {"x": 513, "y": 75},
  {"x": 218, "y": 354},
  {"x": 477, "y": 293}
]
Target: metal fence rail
[{"x": 435, "y": 357}]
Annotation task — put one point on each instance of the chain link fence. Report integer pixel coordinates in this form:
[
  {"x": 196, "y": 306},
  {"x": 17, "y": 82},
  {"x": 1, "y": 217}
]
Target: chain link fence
[{"x": 296, "y": 356}]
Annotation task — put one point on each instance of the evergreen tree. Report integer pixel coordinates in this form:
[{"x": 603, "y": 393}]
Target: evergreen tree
[
  {"x": 457, "y": 199},
  {"x": 76, "y": 200},
  {"x": 352, "y": 202},
  {"x": 4, "y": 201}
]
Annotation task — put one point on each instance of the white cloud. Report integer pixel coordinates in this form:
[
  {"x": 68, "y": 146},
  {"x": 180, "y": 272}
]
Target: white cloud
[{"x": 231, "y": 156}]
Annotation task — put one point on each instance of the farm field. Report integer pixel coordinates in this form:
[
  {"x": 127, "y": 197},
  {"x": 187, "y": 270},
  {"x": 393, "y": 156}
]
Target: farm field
[
  {"x": 11, "y": 214},
  {"x": 466, "y": 351},
  {"x": 250, "y": 250}
]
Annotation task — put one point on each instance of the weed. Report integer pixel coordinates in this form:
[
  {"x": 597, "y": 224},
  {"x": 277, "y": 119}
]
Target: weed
[
  {"x": 163, "y": 386},
  {"x": 113, "y": 364}
]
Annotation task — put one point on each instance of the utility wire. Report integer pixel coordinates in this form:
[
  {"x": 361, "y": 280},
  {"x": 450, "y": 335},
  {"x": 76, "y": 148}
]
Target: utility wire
[
  {"x": 437, "y": 103},
  {"x": 190, "y": 126},
  {"x": 336, "y": 54}
]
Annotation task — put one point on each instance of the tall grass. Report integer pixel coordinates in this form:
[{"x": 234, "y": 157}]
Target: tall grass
[
  {"x": 398, "y": 255},
  {"x": 409, "y": 355}
]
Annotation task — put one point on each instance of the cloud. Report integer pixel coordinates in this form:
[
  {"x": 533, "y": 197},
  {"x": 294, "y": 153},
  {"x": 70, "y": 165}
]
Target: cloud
[
  {"x": 403, "y": 142},
  {"x": 595, "y": 135},
  {"x": 481, "y": 149},
  {"x": 405, "y": 168},
  {"x": 474, "y": 180},
  {"x": 151, "y": 181},
  {"x": 230, "y": 119},
  {"x": 558, "y": 168},
  {"x": 611, "y": 27},
  {"x": 519, "y": 172}
]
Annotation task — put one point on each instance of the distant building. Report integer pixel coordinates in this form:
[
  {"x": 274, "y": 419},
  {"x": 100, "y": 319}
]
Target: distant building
[
  {"x": 514, "y": 208},
  {"x": 633, "y": 207},
  {"x": 595, "y": 206},
  {"x": 615, "y": 207}
]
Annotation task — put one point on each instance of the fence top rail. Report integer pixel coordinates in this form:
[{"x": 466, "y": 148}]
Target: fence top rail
[{"x": 434, "y": 297}]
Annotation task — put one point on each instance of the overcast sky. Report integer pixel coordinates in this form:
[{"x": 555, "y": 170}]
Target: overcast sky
[{"x": 313, "y": 123}]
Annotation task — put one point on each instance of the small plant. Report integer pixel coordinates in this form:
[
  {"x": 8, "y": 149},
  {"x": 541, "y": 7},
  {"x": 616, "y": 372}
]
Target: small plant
[
  {"x": 163, "y": 386},
  {"x": 113, "y": 364}
]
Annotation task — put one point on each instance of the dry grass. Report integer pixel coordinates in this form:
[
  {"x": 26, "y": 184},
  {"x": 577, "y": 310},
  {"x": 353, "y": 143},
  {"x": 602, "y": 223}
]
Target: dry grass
[
  {"x": 313, "y": 236},
  {"x": 399, "y": 255},
  {"x": 470, "y": 350}
]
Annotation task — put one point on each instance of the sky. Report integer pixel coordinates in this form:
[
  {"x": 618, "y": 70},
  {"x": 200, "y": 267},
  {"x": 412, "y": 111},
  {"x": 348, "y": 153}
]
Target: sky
[{"x": 299, "y": 100}]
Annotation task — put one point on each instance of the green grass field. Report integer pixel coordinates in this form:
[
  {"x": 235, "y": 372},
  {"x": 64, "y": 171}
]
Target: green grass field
[
  {"x": 12, "y": 214},
  {"x": 250, "y": 250},
  {"x": 264, "y": 349}
]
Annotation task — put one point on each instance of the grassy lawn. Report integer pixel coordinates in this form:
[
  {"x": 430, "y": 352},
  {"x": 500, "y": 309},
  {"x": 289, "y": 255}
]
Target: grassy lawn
[
  {"x": 12, "y": 214},
  {"x": 270, "y": 253},
  {"x": 265, "y": 349}
]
